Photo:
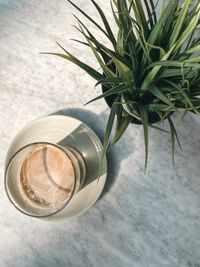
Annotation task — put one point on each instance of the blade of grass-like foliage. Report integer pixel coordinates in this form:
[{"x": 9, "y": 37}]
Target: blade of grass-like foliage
[
  {"x": 151, "y": 11},
  {"x": 191, "y": 40},
  {"x": 115, "y": 90},
  {"x": 190, "y": 28},
  {"x": 157, "y": 93},
  {"x": 171, "y": 6},
  {"x": 153, "y": 7},
  {"x": 144, "y": 119},
  {"x": 160, "y": 114},
  {"x": 100, "y": 46},
  {"x": 90, "y": 19},
  {"x": 109, "y": 81},
  {"x": 106, "y": 24},
  {"x": 106, "y": 58},
  {"x": 163, "y": 6},
  {"x": 130, "y": 107},
  {"x": 184, "y": 95},
  {"x": 105, "y": 68},
  {"x": 124, "y": 70},
  {"x": 91, "y": 37},
  {"x": 83, "y": 25},
  {"x": 158, "y": 128},
  {"x": 159, "y": 107},
  {"x": 146, "y": 59},
  {"x": 79, "y": 41},
  {"x": 126, "y": 107},
  {"x": 167, "y": 73},
  {"x": 173, "y": 137},
  {"x": 109, "y": 127},
  {"x": 150, "y": 77},
  {"x": 91, "y": 71},
  {"x": 194, "y": 49},
  {"x": 114, "y": 14},
  {"x": 179, "y": 69},
  {"x": 191, "y": 13},
  {"x": 131, "y": 2},
  {"x": 162, "y": 51},
  {"x": 150, "y": 14},
  {"x": 165, "y": 63},
  {"x": 159, "y": 27},
  {"x": 120, "y": 42},
  {"x": 123, "y": 16},
  {"x": 126, "y": 32},
  {"x": 194, "y": 60},
  {"x": 140, "y": 17},
  {"x": 121, "y": 128},
  {"x": 179, "y": 23},
  {"x": 185, "y": 111},
  {"x": 116, "y": 57}
]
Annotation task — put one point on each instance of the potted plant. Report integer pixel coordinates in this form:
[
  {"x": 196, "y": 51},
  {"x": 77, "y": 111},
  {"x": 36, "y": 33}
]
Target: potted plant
[{"x": 151, "y": 68}]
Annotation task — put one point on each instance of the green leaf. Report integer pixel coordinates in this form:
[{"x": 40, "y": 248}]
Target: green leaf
[
  {"x": 163, "y": 7},
  {"x": 106, "y": 24},
  {"x": 144, "y": 119},
  {"x": 190, "y": 28},
  {"x": 90, "y": 19},
  {"x": 172, "y": 128},
  {"x": 159, "y": 27},
  {"x": 153, "y": 10},
  {"x": 121, "y": 128},
  {"x": 157, "y": 93},
  {"x": 109, "y": 81},
  {"x": 129, "y": 107},
  {"x": 179, "y": 23},
  {"x": 113, "y": 112},
  {"x": 158, "y": 128},
  {"x": 162, "y": 51},
  {"x": 184, "y": 95},
  {"x": 194, "y": 49},
  {"x": 115, "y": 90},
  {"x": 167, "y": 73},
  {"x": 140, "y": 17},
  {"x": 166, "y": 63},
  {"x": 111, "y": 53},
  {"x": 105, "y": 68},
  {"x": 150, "y": 13},
  {"x": 151, "y": 76},
  {"x": 81, "y": 42},
  {"x": 193, "y": 60},
  {"x": 173, "y": 136},
  {"x": 114, "y": 14},
  {"x": 92, "y": 72},
  {"x": 125, "y": 72}
]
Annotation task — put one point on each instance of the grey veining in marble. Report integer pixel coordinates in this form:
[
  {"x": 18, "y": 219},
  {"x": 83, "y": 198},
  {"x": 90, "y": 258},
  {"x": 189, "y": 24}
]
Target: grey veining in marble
[{"x": 141, "y": 220}]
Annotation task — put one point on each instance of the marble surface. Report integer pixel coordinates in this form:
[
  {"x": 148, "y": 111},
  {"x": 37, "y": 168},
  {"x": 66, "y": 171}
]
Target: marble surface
[{"x": 141, "y": 220}]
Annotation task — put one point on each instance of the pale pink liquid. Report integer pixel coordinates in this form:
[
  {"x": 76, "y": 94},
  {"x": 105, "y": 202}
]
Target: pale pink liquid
[{"x": 47, "y": 176}]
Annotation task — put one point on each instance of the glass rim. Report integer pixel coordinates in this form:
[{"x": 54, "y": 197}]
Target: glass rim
[{"x": 5, "y": 179}]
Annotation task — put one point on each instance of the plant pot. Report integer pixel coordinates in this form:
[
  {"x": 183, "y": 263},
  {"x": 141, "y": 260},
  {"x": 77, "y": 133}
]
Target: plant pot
[{"x": 152, "y": 116}]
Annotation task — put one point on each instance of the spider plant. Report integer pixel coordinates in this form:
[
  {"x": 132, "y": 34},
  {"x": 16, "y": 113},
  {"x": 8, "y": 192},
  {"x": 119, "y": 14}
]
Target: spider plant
[{"x": 152, "y": 64}]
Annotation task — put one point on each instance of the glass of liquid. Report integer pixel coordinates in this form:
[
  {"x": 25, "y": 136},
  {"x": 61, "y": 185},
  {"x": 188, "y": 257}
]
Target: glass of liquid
[{"x": 42, "y": 178}]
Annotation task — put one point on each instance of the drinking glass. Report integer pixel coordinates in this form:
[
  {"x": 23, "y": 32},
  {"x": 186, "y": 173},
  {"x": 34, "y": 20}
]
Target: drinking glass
[{"x": 42, "y": 178}]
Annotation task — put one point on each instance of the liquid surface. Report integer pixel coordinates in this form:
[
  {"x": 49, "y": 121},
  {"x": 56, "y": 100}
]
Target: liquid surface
[{"x": 47, "y": 176}]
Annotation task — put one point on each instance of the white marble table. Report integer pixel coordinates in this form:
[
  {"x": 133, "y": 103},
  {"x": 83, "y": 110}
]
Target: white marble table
[{"x": 142, "y": 220}]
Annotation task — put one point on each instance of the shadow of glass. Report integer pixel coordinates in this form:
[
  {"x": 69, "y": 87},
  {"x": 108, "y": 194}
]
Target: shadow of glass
[
  {"x": 86, "y": 143},
  {"x": 98, "y": 123}
]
